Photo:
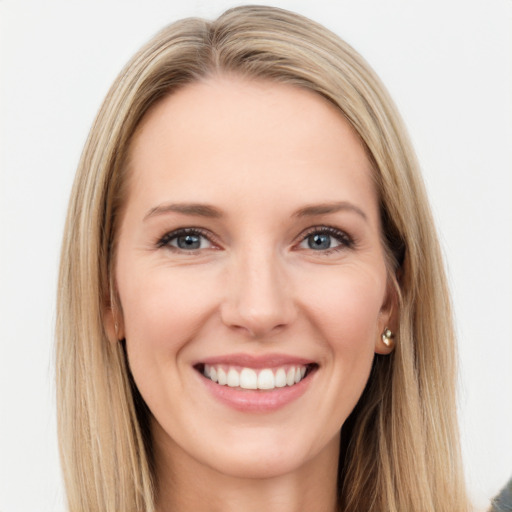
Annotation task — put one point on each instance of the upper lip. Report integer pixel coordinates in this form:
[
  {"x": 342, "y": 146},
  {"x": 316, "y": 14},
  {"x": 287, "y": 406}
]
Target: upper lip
[{"x": 256, "y": 361}]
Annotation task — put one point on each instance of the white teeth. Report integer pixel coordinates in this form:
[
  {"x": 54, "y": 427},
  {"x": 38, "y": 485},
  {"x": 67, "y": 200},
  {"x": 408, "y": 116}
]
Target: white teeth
[
  {"x": 233, "y": 378},
  {"x": 221, "y": 377},
  {"x": 281, "y": 378},
  {"x": 290, "y": 377},
  {"x": 248, "y": 378},
  {"x": 266, "y": 380},
  {"x": 210, "y": 372}
]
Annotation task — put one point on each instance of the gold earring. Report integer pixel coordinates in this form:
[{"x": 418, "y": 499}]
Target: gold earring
[{"x": 388, "y": 338}]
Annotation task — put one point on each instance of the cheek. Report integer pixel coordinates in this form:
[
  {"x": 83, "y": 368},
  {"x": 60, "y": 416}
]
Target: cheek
[
  {"x": 343, "y": 309},
  {"x": 162, "y": 307},
  {"x": 347, "y": 305},
  {"x": 162, "y": 311}
]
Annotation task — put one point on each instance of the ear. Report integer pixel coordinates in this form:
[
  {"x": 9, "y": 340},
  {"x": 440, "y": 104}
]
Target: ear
[
  {"x": 387, "y": 320},
  {"x": 113, "y": 322}
]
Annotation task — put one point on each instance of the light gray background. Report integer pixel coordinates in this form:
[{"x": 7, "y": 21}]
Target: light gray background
[{"x": 447, "y": 63}]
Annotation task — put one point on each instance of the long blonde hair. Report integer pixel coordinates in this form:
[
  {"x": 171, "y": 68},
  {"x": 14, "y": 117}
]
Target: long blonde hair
[{"x": 400, "y": 447}]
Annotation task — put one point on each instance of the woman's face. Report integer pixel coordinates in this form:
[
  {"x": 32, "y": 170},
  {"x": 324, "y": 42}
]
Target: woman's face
[{"x": 251, "y": 275}]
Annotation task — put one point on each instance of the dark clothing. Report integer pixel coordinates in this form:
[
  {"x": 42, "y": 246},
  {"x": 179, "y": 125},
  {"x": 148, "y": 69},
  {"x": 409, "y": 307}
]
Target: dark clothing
[{"x": 503, "y": 502}]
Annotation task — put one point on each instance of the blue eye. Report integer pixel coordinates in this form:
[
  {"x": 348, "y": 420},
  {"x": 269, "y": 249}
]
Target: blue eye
[
  {"x": 319, "y": 241},
  {"x": 187, "y": 239},
  {"x": 325, "y": 239},
  {"x": 188, "y": 242}
]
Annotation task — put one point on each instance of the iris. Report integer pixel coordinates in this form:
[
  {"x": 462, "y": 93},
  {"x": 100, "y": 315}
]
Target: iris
[
  {"x": 188, "y": 242},
  {"x": 319, "y": 241}
]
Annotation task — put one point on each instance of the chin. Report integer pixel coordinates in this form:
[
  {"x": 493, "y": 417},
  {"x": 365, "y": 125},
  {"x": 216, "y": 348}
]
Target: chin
[
  {"x": 266, "y": 453},
  {"x": 259, "y": 463}
]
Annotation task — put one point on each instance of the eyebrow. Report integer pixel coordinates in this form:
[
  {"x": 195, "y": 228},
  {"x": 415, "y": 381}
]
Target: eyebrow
[
  {"x": 209, "y": 211},
  {"x": 196, "y": 209},
  {"x": 326, "y": 208}
]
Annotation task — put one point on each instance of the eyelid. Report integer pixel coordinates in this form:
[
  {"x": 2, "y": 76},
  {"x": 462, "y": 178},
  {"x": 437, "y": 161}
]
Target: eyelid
[
  {"x": 164, "y": 241},
  {"x": 345, "y": 240}
]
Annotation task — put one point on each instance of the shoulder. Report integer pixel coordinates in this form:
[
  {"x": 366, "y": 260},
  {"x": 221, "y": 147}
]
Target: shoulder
[{"x": 503, "y": 502}]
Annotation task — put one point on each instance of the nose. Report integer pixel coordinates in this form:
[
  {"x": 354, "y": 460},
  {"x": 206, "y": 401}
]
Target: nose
[{"x": 259, "y": 299}]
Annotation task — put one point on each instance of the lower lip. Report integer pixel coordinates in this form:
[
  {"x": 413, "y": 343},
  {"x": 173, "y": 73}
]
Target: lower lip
[{"x": 248, "y": 400}]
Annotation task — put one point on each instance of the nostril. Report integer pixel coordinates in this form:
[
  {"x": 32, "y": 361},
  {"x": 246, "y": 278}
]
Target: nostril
[
  {"x": 256, "y": 323},
  {"x": 258, "y": 298}
]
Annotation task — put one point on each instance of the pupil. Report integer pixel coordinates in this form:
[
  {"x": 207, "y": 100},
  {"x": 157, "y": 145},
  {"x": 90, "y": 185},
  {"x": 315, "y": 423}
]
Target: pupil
[
  {"x": 189, "y": 242},
  {"x": 319, "y": 241}
]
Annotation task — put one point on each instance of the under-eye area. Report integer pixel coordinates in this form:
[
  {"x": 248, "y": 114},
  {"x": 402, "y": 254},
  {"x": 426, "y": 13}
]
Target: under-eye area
[{"x": 252, "y": 378}]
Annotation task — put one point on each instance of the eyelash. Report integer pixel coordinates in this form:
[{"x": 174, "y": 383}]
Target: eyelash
[
  {"x": 169, "y": 237},
  {"x": 345, "y": 241}
]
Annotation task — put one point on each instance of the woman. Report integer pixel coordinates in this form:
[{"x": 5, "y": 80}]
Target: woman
[{"x": 253, "y": 309}]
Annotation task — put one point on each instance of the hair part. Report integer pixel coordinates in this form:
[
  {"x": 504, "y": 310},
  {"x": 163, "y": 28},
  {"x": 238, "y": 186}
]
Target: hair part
[{"x": 400, "y": 448}]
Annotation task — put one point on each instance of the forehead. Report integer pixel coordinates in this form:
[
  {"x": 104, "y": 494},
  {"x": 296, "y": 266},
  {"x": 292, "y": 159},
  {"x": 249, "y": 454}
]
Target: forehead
[{"x": 247, "y": 135}]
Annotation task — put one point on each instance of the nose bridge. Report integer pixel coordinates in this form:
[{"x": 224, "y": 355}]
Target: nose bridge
[{"x": 259, "y": 298}]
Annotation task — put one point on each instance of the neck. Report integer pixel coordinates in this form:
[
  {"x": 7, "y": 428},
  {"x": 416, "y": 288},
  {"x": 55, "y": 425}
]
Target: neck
[{"x": 185, "y": 484}]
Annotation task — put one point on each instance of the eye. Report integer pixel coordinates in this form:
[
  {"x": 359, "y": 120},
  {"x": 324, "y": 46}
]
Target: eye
[
  {"x": 325, "y": 239},
  {"x": 186, "y": 239}
]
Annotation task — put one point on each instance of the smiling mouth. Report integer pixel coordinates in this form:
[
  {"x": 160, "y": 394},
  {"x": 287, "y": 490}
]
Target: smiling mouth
[{"x": 264, "y": 379}]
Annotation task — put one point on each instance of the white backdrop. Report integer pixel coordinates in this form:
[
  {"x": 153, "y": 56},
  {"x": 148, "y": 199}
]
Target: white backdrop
[{"x": 447, "y": 63}]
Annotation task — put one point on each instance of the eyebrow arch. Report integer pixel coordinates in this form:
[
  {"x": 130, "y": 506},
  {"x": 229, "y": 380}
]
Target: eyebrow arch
[
  {"x": 206, "y": 210},
  {"x": 325, "y": 208},
  {"x": 197, "y": 209}
]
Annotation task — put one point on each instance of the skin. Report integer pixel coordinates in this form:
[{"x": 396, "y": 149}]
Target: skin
[{"x": 258, "y": 152}]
